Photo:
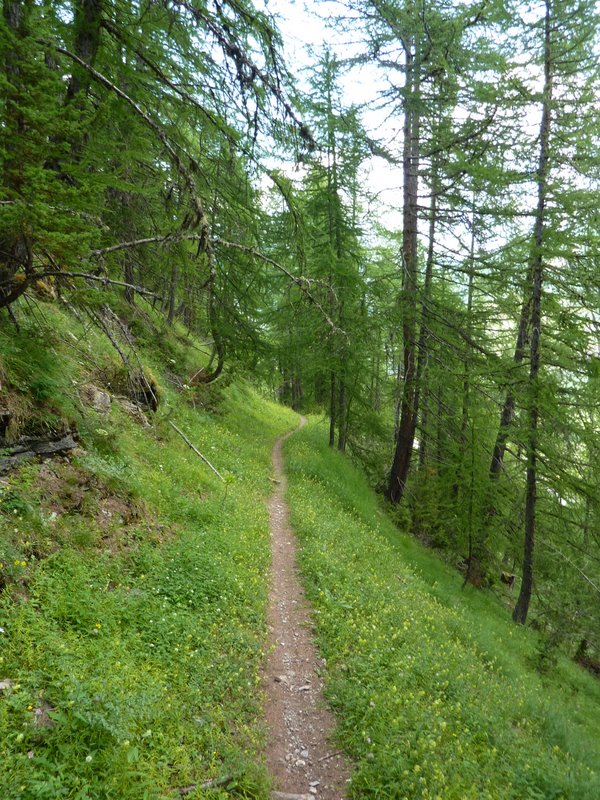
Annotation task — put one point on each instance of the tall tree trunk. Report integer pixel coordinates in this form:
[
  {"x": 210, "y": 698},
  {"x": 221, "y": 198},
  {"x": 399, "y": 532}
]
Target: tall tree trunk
[
  {"x": 15, "y": 243},
  {"x": 338, "y": 386},
  {"x": 172, "y": 293},
  {"x": 422, "y": 389},
  {"x": 586, "y": 521},
  {"x": 475, "y": 550},
  {"x": 407, "y": 425},
  {"x": 332, "y": 408},
  {"x": 342, "y": 415},
  {"x": 398, "y": 402},
  {"x": 297, "y": 390},
  {"x": 466, "y": 395},
  {"x": 522, "y": 607},
  {"x": 86, "y": 24},
  {"x": 508, "y": 409}
]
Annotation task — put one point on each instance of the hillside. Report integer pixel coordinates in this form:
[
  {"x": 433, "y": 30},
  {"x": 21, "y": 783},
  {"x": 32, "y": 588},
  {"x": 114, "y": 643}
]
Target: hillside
[
  {"x": 134, "y": 591},
  {"x": 438, "y": 694},
  {"x": 133, "y": 578}
]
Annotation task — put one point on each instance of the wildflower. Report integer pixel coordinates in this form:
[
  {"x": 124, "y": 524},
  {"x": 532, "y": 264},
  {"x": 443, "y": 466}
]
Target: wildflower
[{"x": 88, "y": 758}]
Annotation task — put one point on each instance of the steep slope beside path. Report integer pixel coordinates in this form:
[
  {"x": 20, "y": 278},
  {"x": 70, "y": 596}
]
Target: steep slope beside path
[{"x": 300, "y": 757}]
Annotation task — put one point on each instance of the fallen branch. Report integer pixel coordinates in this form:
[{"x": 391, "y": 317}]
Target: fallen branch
[
  {"x": 195, "y": 449},
  {"x": 331, "y": 755}
]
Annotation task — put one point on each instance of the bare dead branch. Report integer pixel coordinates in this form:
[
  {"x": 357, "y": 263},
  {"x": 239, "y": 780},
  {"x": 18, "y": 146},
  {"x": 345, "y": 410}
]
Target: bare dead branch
[
  {"x": 97, "y": 278},
  {"x": 165, "y": 239},
  {"x": 195, "y": 449},
  {"x": 299, "y": 280}
]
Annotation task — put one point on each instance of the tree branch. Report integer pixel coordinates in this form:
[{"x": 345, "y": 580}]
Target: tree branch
[
  {"x": 199, "y": 219},
  {"x": 299, "y": 280},
  {"x": 195, "y": 449}
]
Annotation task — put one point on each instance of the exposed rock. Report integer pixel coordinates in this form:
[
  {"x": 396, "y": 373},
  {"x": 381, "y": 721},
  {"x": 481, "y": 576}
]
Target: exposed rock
[
  {"x": 96, "y": 398},
  {"x": 287, "y": 796},
  {"x": 134, "y": 411},
  {"x": 29, "y": 446},
  {"x": 5, "y": 419}
]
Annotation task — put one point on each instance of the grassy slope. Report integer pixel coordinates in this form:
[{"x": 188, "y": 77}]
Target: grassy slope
[
  {"x": 134, "y": 590},
  {"x": 133, "y": 610},
  {"x": 435, "y": 689}
]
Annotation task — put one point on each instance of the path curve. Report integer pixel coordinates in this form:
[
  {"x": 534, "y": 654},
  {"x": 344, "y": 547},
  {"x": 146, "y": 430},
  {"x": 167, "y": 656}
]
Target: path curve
[{"x": 301, "y": 759}]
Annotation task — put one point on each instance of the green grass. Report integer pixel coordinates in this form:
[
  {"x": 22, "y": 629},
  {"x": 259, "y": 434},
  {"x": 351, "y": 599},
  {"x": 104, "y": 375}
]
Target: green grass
[
  {"x": 136, "y": 637},
  {"x": 435, "y": 689},
  {"x": 134, "y": 593}
]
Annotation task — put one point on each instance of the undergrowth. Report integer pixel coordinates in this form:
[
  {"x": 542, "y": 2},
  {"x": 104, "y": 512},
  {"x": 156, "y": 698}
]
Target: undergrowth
[
  {"x": 436, "y": 691},
  {"x": 133, "y": 599}
]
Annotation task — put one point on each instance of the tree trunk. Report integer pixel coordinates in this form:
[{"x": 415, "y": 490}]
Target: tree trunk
[
  {"x": 332, "y": 408},
  {"x": 86, "y": 24},
  {"x": 508, "y": 409},
  {"x": 15, "y": 243},
  {"x": 342, "y": 420},
  {"x": 407, "y": 424},
  {"x": 204, "y": 375},
  {"x": 466, "y": 396},
  {"x": 172, "y": 293},
  {"x": 422, "y": 389},
  {"x": 522, "y": 607},
  {"x": 475, "y": 552}
]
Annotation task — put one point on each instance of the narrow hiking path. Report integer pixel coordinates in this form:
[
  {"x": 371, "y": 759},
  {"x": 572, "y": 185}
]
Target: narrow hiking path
[{"x": 300, "y": 756}]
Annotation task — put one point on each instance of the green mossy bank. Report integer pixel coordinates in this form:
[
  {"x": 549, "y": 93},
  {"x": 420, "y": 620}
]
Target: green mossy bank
[
  {"x": 436, "y": 691},
  {"x": 134, "y": 591}
]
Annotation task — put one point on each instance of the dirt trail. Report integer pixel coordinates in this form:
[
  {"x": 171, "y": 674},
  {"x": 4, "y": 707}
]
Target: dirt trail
[{"x": 302, "y": 761}]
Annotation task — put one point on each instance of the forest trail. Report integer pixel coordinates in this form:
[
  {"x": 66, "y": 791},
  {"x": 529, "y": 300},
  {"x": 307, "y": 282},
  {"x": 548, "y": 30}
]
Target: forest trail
[{"x": 301, "y": 759}]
